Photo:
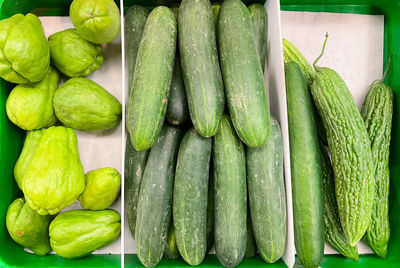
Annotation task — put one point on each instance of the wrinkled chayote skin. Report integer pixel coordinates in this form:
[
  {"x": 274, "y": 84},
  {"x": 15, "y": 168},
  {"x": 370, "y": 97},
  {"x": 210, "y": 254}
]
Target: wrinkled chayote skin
[
  {"x": 82, "y": 104},
  {"x": 77, "y": 233},
  {"x": 28, "y": 228},
  {"x": 98, "y": 21},
  {"x": 54, "y": 178},
  {"x": 30, "y": 106},
  {"x": 73, "y": 55},
  {"x": 31, "y": 141},
  {"x": 102, "y": 188},
  {"x": 24, "y": 52}
]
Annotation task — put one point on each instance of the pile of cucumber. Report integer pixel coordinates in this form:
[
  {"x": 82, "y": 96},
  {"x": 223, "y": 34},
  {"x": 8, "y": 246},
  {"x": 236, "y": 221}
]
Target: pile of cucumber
[
  {"x": 199, "y": 174},
  {"x": 343, "y": 200}
]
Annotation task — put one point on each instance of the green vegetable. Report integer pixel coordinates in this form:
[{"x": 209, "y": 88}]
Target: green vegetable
[
  {"x": 210, "y": 209},
  {"x": 243, "y": 77},
  {"x": 76, "y": 233},
  {"x": 73, "y": 55},
  {"x": 350, "y": 148},
  {"x": 177, "y": 108},
  {"x": 30, "y": 106},
  {"x": 259, "y": 17},
  {"x": 31, "y": 141},
  {"x": 190, "y": 196},
  {"x": 82, "y": 104},
  {"x": 54, "y": 177},
  {"x": 230, "y": 195},
  {"x": 267, "y": 195},
  {"x": 377, "y": 112},
  {"x": 98, "y": 21},
  {"x": 171, "y": 251},
  {"x": 102, "y": 188},
  {"x": 251, "y": 247},
  {"x": 135, "y": 20},
  {"x": 24, "y": 52},
  {"x": 28, "y": 228},
  {"x": 135, "y": 163},
  {"x": 306, "y": 168},
  {"x": 200, "y": 66},
  {"x": 155, "y": 197},
  {"x": 153, "y": 74},
  {"x": 333, "y": 230}
]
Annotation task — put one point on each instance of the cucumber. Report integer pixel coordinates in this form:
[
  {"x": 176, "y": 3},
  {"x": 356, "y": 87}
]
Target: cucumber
[
  {"x": 306, "y": 169},
  {"x": 190, "y": 196},
  {"x": 171, "y": 251},
  {"x": 210, "y": 209},
  {"x": 135, "y": 20},
  {"x": 155, "y": 197},
  {"x": 350, "y": 148},
  {"x": 230, "y": 195},
  {"x": 177, "y": 108},
  {"x": 377, "y": 112},
  {"x": 251, "y": 247},
  {"x": 200, "y": 65},
  {"x": 243, "y": 77},
  {"x": 259, "y": 18},
  {"x": 333, "y": 230},
  {"x": 135, "y": 163},
  {"x": 153, "y": 73},
  {"x": 267, "y": 195}
]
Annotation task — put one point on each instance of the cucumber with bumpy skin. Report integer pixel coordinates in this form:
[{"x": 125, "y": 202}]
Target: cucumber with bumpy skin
[{"x": 350, "y": 149}]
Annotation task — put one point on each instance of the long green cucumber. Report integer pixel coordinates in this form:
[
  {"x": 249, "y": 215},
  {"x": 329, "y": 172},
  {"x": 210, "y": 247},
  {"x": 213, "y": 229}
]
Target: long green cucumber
[
  {"x": 350, "y": 148},
  {"x": 267, "y": 195},
  {"x": 135, "y": 163},
  {"x": 243, "y": 77},
  {"x": 177, "y": 108},
  {"x": 190, "y": 196},
  {"x": 153, "y": 73},
  {"x": 210, "y": 208},
  {"x": 135, "y": 20},
  {"x": 333, "y": 230},
  {"x": 377, "y": 112},
  {"x": 306, "y": 170},
  {"x": 259, "y": 19},
  {"x": 230, "y": 195},
  {"x": 171, "y": 251},
  {"x": 155, "y": 197},
  {"x": 200, "y": 65}
]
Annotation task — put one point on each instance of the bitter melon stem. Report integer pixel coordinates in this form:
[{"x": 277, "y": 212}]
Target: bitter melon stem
[
  {"x": 322, "y": 52},
  {"x": 386, "y": 70}
]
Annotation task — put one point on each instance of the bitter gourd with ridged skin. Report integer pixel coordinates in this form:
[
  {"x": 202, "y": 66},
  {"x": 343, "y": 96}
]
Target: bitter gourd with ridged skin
[
  {"x": 243, "y": 77},
  {"x": 333, "y": 230},
  {"x": 153, "y": 75},
  {"x": 259, "y": 19},
  {"x": 350, "y": 148},
  {"x": 306, "y": 170},
  {"x": 377, "y": 112},
  {"x": 200, "y": 65}
]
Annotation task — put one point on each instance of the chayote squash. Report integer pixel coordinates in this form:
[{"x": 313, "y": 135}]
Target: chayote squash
[
  {"x": 31, "y": 141},
  {"x": 30, "y": 106},
  {"x": 73, "y": 55},
  {"x": 98, "y": 21},
  {"x": 28, "y": 228},
  {"x": 24, "y": 52},
  {"x": 77, "y": 233},
  {"x": 54, "y": 178},
  {"x": 102, "y": 188},
  {"x": 82, "y": 104}
]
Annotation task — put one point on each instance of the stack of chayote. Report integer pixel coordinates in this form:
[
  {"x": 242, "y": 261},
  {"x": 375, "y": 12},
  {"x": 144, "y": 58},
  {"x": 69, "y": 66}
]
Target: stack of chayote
[{"x": 49, "y": 171}]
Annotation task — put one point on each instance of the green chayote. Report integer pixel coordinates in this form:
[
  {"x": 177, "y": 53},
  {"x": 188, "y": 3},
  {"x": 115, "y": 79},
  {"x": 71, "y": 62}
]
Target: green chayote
[
  {"x": 73, "y": 55},
  {"x": 24, "y": 52},
  {"x": 28, "y": 228},
  {"x": 98, "y": 21},
  {"x": 30, "y": 106},
  {"x": 31, "y": 141},
  {"x": 54, "y": 178},
  {"x": 102, "y": 188},
  {"x": 84, "y": 105},
  {"x": 77, "y": 233}
]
